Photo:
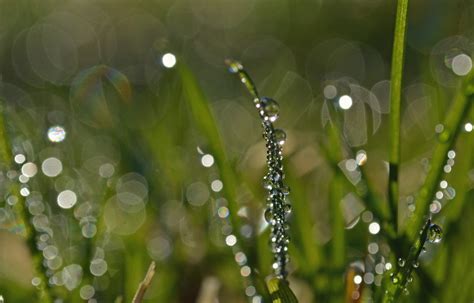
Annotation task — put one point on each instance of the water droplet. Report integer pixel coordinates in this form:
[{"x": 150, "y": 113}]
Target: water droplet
[
  {"x": 468, "y": 127},
  {"x": 56, "y": 134},
  {"x": 401, "y": 262},
  {"x": 374, "y": 228},
  {"x": 270, "y": 109},
  {"x": 406, "y": 292},
  {"x": 416, "y": 264},
  {"x": 435, "y": 233},
  {"x": 268, "y": 215},
  {"x": 361, "y": 157},
  {"x": 89, "y": 230},
  {"x": 330, "y": 91},
  {"x": 410, "y": 279},
  {"x": 50, "y": 252},
  {"x": 461, "y": 64},
  {"x": 20, "y": 158},
  {"x": 29, "y": 169},
  {"x": 207, "y": 160},
  {"x": 51, "y": 167},
  {"x": 451, "y": 154},
  {"x": 36, "y": 281},
  {"x": 234, "y": 66},
  {"x": 67, "y": 199},
  {"x": 287, "y": 208},
  {"x": 280, "y": 136},
  {"x": 231, "y": 240},
  {"x": 444, "y": 136},
  {"x": 435, "y": 207},
  {"x": 87, "y": 292},
  {"x": 168, "y": 60},
  {"x": 395, "y": 279},
  {"x": 345, "y": 102},
  {"x": 98, "y": 267}
]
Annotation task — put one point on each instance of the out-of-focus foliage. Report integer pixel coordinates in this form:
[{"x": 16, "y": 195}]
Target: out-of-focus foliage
[{"x": 129, "y": 158}]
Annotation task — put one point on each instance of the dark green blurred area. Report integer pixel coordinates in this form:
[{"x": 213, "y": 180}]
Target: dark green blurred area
[{"x": 138, "y": 134}]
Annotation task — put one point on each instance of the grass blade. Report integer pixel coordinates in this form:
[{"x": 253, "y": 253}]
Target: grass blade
[
  {"x": 452, "y": 125},
  {"x": 395, "y": 101}
]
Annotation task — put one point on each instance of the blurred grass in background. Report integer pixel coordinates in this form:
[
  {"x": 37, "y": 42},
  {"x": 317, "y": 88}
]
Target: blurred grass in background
[{"x": 166, "y": 163}]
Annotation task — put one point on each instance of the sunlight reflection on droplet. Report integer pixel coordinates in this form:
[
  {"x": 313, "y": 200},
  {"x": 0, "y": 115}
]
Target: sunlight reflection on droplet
[
  {"x": 461, "y": 64},
  {"x": 468, "y": 127},
  {"x": 20, "y": 158},
  {"x": 345, "y": 102},
  {"x": 168, "y": 60},
  {"x": 207, "y": 160},
  {"x": 56, "y": 134},
  {"x": 67, "y": 199},
  {"x": 216, "y": 185},
  {"x": 374, "y": 228},
  {"x": 230, "y": 240},
  {"x": 24, "y": 192},
  {"x": 223, "y": 212},
  {"x": 51, "y": 167},
  {"x": 29, "y": 169},
  {"x": 361, "y": 157},
  {"x": 357, "y": 279}
]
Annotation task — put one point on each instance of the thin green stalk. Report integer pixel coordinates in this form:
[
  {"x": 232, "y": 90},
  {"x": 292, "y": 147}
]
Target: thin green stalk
[
  {"x": 399, "y": 281},
  {"x": 452, "y": 125},
  {"x": 338, "y": 252},
  {"x": 395, "y": 101},
  {"x": 6, "y": 160}
]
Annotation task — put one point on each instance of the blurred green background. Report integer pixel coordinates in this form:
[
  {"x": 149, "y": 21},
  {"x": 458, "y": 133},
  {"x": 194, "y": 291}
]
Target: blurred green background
[{"x": 161, "y": 161}]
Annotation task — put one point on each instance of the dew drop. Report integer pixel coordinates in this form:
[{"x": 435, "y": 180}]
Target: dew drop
[
  {"x": 468, "y": 127},
  {"x": 406, "y": 292},
  {"x": 234, "y": 66},
  {"x": 287, "y": 208},
  {"x": 395, "y": 279},
  {"x": 280, "y": 136},
  {"x": 435, "y": 233},
  {"x": 444, "y": 136},
  {"x": 19, "y": 159},
  {"x": 29, "y": 169},
  {"x": 345, "y": 102},
  {"x": 98, "y": 267},
  {"x": 270, "y": 109},
  {"x": 67, "y": 199},
  {"x": 401, "y": 262},
  {"x": 268, "y": 215},
  {"x": 416, "y": 264},
  {"x": 56, "y": 134},
  {"x": 87, "y": 292},
  {"x": 89, "y": 230},
  {"x": 168, "y": 60},
  {"x": 52, "y": 167}
]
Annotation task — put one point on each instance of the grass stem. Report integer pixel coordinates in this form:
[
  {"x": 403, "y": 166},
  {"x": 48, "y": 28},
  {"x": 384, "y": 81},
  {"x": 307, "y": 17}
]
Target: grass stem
[{"x": 395, "y": 101}]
